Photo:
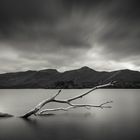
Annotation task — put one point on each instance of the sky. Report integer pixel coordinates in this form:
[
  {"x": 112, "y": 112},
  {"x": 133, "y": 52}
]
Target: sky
[{"x": 69, "y": 34}]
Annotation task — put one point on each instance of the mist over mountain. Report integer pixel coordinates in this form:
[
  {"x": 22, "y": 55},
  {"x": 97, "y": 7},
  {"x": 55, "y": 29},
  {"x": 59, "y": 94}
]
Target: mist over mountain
[{"x": 84, "y": 77}]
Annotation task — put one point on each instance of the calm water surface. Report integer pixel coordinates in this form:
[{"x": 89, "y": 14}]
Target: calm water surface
[{"x": 121, "y": 122}]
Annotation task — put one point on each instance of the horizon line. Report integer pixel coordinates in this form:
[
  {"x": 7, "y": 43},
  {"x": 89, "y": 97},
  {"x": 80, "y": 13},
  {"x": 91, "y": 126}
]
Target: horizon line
[{"x": 68, "y": 70}]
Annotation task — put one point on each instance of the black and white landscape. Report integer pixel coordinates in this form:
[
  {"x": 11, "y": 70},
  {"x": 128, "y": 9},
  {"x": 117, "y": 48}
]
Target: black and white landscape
[{"x": 69, "y": 69}]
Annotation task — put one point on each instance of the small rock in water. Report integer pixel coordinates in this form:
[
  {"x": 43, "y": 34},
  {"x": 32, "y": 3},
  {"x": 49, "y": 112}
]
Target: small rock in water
[{"x": 5, "y": 115}]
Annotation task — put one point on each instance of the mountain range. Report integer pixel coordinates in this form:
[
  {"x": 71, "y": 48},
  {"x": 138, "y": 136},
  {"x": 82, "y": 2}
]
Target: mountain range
[{"x": 84, "y": 77}]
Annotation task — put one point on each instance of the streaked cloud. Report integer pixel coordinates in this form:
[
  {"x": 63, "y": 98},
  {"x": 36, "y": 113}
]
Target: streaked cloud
[{"x": 68, "y": 34}]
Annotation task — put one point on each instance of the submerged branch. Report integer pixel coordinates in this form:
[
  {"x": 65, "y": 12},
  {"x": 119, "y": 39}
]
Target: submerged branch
[
  {"x": 52, "y": 99},
  {"x": 39, "y": 106}
]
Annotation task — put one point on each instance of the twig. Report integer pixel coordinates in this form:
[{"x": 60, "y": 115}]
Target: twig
[
  {"x": 97, "y": 87},
  {"x": 84, "y": 94},
  {"x": 76, "y": 106}
]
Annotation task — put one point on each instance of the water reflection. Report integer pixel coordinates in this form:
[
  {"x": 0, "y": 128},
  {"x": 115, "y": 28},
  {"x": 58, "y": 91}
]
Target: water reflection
[
  {"x": 66, "y": 127},
  {"x": 122, "y": 122}
]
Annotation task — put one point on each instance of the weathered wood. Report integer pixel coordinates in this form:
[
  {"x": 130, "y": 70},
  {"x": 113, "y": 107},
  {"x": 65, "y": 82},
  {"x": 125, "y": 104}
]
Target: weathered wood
[
  {"x": 52, "y": 99},
  {"x": 103, "y": 105},
  {"x": 39, "y": 106}
]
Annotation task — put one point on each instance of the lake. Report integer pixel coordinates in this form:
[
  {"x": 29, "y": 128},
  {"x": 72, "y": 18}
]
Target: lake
[{"x": 121, "y": 122}]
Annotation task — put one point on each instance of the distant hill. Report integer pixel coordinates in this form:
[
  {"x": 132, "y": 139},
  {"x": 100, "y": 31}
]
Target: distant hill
[{"x": 84, "y": 77}]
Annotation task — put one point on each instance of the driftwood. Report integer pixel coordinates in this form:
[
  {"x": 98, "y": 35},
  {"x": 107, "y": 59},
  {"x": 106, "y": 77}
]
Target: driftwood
[{"x": 37, "y": 108}]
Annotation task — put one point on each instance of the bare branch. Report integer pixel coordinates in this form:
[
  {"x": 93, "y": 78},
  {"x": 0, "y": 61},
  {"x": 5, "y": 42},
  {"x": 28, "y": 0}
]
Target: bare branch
[
  {"x": 52, "y": 99},
  {"x": 39, "y": 106},
  {"x": 80, "y": 96},
  {"x": 97, "y": 87},
  {"x": 57, "y": 94},
  {"x": 77, "y": 106},
  {"x": 56, "y": 109},
  {"x": 90, "y": 105}
]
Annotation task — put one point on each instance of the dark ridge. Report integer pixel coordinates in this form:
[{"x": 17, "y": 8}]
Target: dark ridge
[
  {"x": 49, "y": 70},
  {"x": 84, "y": 77}
]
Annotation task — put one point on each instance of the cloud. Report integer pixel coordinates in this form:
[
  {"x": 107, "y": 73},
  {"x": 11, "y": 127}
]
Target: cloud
[{"x": 67, "y": 34}]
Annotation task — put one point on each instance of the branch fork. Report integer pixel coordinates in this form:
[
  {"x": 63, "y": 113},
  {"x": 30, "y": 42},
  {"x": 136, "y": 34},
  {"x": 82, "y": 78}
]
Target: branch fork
[{"x": 37, "y": 108}]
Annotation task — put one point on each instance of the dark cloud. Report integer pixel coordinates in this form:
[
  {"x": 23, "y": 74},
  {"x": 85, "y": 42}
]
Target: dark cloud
[
  {"x": 69, "y": 33},
  {"x": 28, "y": 10},
  {"x": 127, "y": 10}
]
